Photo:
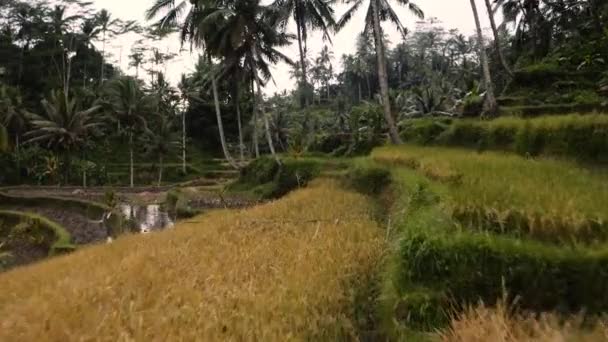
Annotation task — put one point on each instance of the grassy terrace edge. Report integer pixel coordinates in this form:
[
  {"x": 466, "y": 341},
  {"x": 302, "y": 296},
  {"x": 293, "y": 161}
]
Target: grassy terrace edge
[
  {"x": 62, "y": 240},
  {"x": 92, "y": 210},
  {"x": 438, "y": 266}
]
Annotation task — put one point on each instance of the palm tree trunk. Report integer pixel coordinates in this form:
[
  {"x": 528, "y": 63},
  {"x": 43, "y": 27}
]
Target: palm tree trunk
[
  {"x": 103, "y": 55},
  {"x": 84, "y": 75},
  {"x": 266, "y": 125},
  {"x": 256, "y": 145},
  {"x": 302, "y": 61},
  {"x": 359, "y": 86},
  {"x": 490, "y": 106},
  {"x": 220, "y": 125},
  {"x": 369, "y": 86},
  {"x": 18, "y": 156},
  {"x": 499, "y": 51},
  {"x": 160, "y": 170},
  {"x": 184, "y": 141},
  {"x": 383, "y": 77},
  {"x": 399, "y": 70},
  {"x": 21, "y": 60},
  {"x": 131, "y": 183},
  {"x": 238, "y": 119}
]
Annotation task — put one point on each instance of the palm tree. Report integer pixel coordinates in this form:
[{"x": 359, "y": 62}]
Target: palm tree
[
  {"x": 249, "y": 36},
  {"x": 29, "y": 20},
  {"x": 62, "y": 127},
  {"x": 130, "y": 104},
  {"x": 137, "y": 56},
  {"x": 161, "y": 142},
  {"x": 377, "y": 11},
  {"x": 499, "y": 51},
  {"x": 307, "y": 14},
  {"x": 197, "y": 26},
  {"x": 490, "y": 105},
  {"x": 89, "y": 30},
  {"x": 3, "y": 139},
  {"x": 109, "y": 27},
  {"x": 12, "y": 117},
  {"x": 242, "y": 32},
  {"x": 324, "y": 60},
  {"x": 185, "y": 90}
]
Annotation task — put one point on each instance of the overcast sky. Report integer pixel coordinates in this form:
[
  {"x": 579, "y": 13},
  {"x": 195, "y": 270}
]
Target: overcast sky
[{"x": 453, "y": 13}]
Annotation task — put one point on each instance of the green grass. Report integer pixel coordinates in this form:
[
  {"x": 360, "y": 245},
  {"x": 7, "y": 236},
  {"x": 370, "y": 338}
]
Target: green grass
[
  {"x": 263, "y": 178},
  {"x": 455, "y": 240},
  {"x": 581, "y": 137},
  {"x": 91, "y": 210},
  {"x": 61, "y": 240},
  {"x": 545, "y": 197}
]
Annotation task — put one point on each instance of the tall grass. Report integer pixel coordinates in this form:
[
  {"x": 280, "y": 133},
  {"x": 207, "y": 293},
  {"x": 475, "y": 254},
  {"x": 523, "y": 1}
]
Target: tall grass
[
  {"x": 557, "y": 196},
  {"x": 288, "y": 270},
  {"x": 482, "y": 323},
  {"x": 582, "y": 137}
]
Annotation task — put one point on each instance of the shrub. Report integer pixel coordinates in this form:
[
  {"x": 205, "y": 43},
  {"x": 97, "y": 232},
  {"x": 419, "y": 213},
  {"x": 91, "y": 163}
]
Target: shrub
[
  {"x": 177, "y": 204},
  {"x": 538, "y": 75},
  {"x": 328, "y": 143},
  {"x": 294, "y": 174},
  {"x": 267, "y": 179},
  {"x": 462, "y": 133},
  {"x": 56, "y": 238},
  {"x": 260, "y": 171},
  {"x": 553, "y": 109},
  {"x": 528, "y": 141},
  {"x": 423, "y": 131},
  {"x": 369, "y": 180},
  {"x": 472, "y": 106},
  {"x": 584, "y": 137},
  {"x": 481, "y": 266},
  {"x": 422, "y": 309}
]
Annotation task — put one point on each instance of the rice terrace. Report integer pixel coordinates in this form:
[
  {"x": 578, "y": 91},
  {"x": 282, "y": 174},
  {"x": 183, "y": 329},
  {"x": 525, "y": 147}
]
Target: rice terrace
[{"x": 304, "y": 170}]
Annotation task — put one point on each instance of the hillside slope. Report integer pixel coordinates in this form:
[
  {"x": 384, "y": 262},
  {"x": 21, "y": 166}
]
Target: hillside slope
[{"x": 290, "y": 269}]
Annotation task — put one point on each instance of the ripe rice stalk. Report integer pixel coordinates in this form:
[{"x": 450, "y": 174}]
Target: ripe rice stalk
[{"x": 219, "y": 278}]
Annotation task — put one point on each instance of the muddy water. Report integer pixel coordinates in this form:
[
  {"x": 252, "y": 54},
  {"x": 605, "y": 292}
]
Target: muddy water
[{"x": 148, "y": 217}]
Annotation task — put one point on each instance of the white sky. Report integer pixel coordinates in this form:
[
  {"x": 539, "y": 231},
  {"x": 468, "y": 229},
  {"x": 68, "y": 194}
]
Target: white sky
[{"x": 453, "y": 13}]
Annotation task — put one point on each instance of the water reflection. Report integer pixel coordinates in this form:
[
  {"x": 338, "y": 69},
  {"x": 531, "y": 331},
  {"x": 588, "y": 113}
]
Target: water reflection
[{"x": 147, "y": 217}]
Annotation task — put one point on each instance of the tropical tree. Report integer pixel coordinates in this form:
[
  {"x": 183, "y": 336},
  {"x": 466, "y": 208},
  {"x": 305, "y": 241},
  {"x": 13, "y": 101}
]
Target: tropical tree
[
  {"x": 250, "y": 36},
  {"x": 490, "y": 105},
  {"x": 499, "y": 51},
  {"x": 241, "y": 32},
  {"x": 63, "y": 127},
  {"x": 89, "y": 30},
  {"x": 185, "y": 90},
  {"x": 307, "y": 15},
  {"x": 161, "y": 141},
  {"x": 108, "y": 28},
  {"x": 378, "y": 11},
  {"x": 3, "y": 139},
  {"x": 137, "y": 56},
  {"x": 129, "y": 106},
  {"x": 28, "y": 19},
  {"x": 326, "y": 68},
  {"x": 196, "y": 28},
  {"x": 12, "y": 117}
]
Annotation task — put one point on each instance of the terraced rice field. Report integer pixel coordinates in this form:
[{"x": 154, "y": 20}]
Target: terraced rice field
[
  {"x": 495, "y": 228},
  {"x": 293, "y": 269}
]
